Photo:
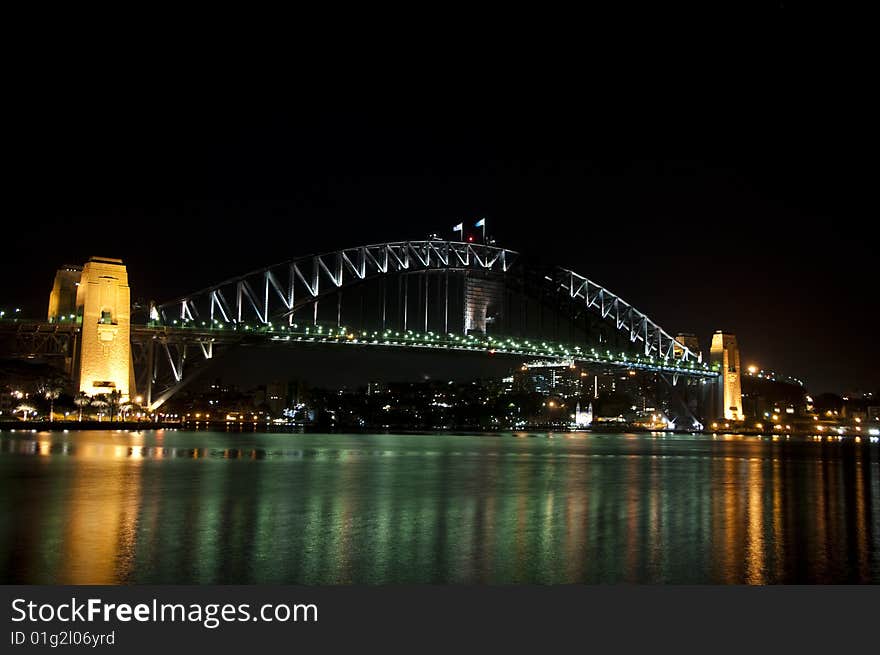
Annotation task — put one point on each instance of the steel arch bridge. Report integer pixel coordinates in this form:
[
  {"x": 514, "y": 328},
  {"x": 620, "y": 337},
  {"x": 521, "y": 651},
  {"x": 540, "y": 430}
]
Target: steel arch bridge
[{"x": 432, "y": 295}]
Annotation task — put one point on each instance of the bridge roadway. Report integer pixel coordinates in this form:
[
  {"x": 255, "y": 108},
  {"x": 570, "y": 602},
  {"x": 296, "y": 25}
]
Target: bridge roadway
[
  {"x": 39, "y": 335},
  {"x": 489, "y": 344}
]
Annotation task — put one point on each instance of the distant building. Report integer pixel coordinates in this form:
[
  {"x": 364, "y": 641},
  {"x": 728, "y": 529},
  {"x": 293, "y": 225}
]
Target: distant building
[
  {"x": 276, "y": 397},
  {"x": 548, "y": 377},
  {"x": 583, "y": 419},
  {"x": 602, "y": 384}
]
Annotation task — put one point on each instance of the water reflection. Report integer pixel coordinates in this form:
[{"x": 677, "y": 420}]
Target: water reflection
[
  {"x": 755, "y": 552},
  {"x": 175, "y": 507}
]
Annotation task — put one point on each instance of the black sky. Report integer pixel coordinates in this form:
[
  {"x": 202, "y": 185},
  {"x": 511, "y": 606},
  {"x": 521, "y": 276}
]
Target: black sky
[{"x": 751, "y": 211}]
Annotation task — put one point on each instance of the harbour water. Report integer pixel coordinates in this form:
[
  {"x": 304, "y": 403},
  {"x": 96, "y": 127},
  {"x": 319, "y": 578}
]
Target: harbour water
[{"x": 169, "y": 506}]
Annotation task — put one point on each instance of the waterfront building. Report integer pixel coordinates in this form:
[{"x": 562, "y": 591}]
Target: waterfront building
[{"x": 583, "y": 419}]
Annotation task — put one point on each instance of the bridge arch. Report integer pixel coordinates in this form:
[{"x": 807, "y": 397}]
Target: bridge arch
[
  {"x": 262, "y": 304},
  {"x": 273, "y": 294}
]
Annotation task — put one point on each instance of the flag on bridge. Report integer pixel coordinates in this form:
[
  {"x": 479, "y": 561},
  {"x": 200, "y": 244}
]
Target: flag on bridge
[
  {"x": 459, "y": 228},
  {"x": 482, "y": 223}
]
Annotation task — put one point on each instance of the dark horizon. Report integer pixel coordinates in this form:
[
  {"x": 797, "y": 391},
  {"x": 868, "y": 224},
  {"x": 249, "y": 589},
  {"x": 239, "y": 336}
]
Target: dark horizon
[{"x": 732, "y": 219}]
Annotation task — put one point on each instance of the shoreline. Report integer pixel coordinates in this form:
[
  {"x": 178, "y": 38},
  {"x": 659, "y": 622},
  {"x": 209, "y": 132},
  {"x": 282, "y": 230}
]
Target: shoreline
[
  {"x": 135, "y": 426},
  {"x": 61, "y": 426}
]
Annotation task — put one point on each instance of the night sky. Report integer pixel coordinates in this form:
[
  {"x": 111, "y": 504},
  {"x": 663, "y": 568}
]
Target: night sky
[{"x": 745, "y": 213}]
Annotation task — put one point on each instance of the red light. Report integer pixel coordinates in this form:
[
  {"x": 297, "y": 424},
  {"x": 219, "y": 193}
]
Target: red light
[{"x": 470, "y": 239}]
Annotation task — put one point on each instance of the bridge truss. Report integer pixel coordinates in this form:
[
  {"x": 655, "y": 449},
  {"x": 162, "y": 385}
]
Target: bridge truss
[
  {"x": 275, "y": 293},
  {"x": 285, "y": 303}
]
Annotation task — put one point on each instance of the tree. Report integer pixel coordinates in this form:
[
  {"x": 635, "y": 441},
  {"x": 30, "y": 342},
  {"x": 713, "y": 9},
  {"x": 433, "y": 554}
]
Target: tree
[
  {"x": 82, "y": 399},
  {"x": 114, "y": 399},
  {"x": 126, "y": 408},
  {"x": 26, "y": 409},
  {"x": 51, "y": 393},
  {"x": 50, "y": 387},
  {"x": 100, "y": 403}
]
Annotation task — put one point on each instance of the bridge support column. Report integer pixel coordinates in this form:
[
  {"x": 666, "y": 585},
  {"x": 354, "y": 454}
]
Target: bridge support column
[
  {"x": 405, "y": 299},
  {"x": 151, "y": 371},
  {"x": 384, "y": 300},
  {"x": 446, "y": 302},
  {"x": 727, "y": 398},
  {"x": 103, "y": 302}
]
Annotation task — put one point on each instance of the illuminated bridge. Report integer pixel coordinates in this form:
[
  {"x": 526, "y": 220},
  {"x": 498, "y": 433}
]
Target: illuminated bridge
[{"x": 427, "y": 295}]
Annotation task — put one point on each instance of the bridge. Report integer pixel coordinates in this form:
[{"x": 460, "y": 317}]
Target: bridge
[{"x": 434, "y": 295}]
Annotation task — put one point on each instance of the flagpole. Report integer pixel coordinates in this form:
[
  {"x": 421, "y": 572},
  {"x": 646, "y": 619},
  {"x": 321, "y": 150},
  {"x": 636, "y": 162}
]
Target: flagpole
[{"x": 482, "y": 223}]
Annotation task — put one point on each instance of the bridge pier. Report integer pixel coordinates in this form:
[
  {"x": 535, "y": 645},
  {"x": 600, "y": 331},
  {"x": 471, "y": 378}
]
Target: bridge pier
[
  {"x": 103, "y": 307},
  {"x": 405, "y": 299},
  {"x": 150, "y": 372},
  {"x": 384, "y": 301},
  {"x": 446, "y": 302},
  {"x": 727, "y": 396}
]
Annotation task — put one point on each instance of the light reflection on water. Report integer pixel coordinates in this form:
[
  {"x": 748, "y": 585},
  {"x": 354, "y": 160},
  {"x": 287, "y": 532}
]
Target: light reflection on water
[{"x": 183, "y": 507}]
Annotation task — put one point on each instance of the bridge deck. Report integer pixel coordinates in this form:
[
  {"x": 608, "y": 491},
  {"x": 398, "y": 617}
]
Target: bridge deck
[{"x": 489, "y": 344}]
